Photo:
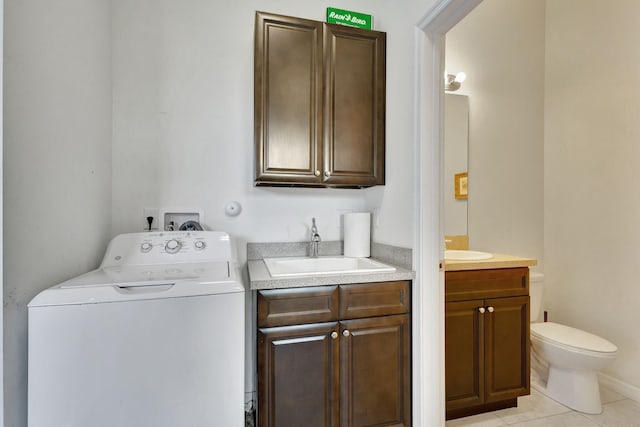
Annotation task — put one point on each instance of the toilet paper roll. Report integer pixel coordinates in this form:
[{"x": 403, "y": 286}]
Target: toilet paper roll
[{"x": 357, "y": 234}]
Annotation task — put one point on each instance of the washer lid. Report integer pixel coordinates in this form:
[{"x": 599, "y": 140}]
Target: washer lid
[
  {"x": 205, "y": 272},
  {"x": 572, "y": 337},
  {"x": 140, "y": 282}
]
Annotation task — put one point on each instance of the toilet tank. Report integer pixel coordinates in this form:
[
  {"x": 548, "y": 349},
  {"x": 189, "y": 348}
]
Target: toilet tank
[{"x": 536, "y": 284}]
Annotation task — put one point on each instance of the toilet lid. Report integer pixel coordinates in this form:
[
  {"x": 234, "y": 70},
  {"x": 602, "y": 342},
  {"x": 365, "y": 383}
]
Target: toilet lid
[{"x": 572, "y": 337}]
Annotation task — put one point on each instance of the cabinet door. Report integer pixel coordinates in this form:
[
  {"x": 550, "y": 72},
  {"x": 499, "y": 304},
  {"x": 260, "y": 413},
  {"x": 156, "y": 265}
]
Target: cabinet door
[
  {"x": 288, "y": 100},
  {"x": 507, "y": 348},
  {"x": 298, "y": 376},
  {"x": 464, "y": 358},
  {"x": 354, "y": 126},
  {"x": 374, "y": 372}
]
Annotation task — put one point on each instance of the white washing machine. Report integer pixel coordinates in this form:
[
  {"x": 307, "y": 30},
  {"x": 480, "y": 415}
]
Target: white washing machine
[{"x": 152, "y": 338}]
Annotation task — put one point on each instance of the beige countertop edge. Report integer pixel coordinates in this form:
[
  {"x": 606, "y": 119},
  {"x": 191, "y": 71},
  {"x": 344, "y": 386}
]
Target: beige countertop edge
[
  {"x": 498, "y": 261},
  {"x": 260, "y": 278}
]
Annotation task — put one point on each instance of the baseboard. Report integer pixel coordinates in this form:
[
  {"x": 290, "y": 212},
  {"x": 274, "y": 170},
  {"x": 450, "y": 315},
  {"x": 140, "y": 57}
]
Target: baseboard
[{"x": 627, "y": 390}]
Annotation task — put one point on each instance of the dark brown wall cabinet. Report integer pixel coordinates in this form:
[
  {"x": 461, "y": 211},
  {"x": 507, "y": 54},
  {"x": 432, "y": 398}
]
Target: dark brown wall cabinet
[
  {"x": 333, "y": 356},
  {"x": 319, "y": 103},
  {"x": 486, "y": 339}
]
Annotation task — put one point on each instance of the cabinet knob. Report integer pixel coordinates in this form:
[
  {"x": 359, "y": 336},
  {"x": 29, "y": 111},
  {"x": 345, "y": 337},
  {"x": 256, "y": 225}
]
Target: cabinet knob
[
  {"x": 317, "y": 173},
  {"x": 334, "y": 335},
  {"x": 327, "y": 174},
  {"x": 490, "y": 309},
  {"x": 346, "y": 333},
  {"x": 481, "y": 310}
]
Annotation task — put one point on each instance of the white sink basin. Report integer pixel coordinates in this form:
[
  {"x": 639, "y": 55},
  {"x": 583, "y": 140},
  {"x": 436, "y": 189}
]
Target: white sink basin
[
  {"x": 457, "y": 255},
  {"x": 305, "y": 266}
]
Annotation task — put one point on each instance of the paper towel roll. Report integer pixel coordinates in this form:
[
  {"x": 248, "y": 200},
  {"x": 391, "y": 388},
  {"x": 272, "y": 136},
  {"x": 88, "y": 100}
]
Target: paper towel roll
[{"x": 357, "y": 234}]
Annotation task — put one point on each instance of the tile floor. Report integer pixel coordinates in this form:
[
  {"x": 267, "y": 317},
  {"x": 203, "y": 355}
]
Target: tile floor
[{"x": 537, "y": 410}]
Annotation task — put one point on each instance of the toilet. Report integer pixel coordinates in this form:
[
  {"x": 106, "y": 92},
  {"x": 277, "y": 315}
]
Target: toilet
[{"x": 565, "y": 360}]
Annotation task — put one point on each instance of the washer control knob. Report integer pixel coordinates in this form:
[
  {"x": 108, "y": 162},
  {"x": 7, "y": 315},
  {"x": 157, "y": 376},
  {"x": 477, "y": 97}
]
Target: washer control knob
[
  {"x": 173, "y": 246},
  {"x": 145, "y": 247},
  {"x": 200, "y": 245}
]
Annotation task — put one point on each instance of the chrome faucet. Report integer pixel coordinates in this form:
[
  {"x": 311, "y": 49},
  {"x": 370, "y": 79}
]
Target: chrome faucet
[{"x": 315, "y": 240}]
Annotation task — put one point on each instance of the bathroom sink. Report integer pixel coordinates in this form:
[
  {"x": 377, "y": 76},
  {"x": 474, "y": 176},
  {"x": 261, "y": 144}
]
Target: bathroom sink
[
  {"x": 305, "y": 266},
  {"x": 459, "y": 255}
]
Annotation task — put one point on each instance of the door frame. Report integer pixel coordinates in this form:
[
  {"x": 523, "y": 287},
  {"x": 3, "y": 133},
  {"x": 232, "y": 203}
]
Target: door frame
[
  {"x": 428, "y": 313},
  {"x": 1, "y": 210}
]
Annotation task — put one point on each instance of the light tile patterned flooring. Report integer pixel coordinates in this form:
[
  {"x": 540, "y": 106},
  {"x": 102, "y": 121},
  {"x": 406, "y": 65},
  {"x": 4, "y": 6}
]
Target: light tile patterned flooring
[{"x": 537, "y": 410}]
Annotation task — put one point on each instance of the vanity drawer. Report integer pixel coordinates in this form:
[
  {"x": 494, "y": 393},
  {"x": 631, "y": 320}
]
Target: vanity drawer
[
  {"x": 374, "y": 299},
  {"x": 480, "y": 284},
  {"x": 279, "y": 307}
]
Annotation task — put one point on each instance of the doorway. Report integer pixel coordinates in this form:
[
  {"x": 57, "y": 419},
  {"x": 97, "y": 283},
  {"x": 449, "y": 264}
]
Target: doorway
[{"x": 428, "y": 321}]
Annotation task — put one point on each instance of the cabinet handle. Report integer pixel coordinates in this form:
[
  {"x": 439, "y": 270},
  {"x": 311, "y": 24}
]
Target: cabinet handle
[
  {"x": 327, "y": 174},
  {"x": 334, "y": 335},
  {"x": 481, "y": 310},
  {"x": 317, "y": 173},
  {"x": 346, "y": 333},
  {"x": 490, "y": 309}
]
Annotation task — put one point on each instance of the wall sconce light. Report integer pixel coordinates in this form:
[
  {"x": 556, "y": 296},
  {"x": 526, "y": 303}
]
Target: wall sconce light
[{"x": 452, "y": 81}]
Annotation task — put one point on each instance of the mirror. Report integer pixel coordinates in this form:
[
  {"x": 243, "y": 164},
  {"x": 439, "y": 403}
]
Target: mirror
[{"x": 456, "y": 146}]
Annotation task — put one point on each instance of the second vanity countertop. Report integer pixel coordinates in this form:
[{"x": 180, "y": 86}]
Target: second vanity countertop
[
  {"x": 260, "y": 278},
  {"x": 498, "y": 261}
]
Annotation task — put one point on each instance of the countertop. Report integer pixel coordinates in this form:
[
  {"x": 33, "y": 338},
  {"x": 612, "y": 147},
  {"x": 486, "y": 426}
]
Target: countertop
[
  {"x": 498, "y": 261},
  {"x": 260, "y": 278}
]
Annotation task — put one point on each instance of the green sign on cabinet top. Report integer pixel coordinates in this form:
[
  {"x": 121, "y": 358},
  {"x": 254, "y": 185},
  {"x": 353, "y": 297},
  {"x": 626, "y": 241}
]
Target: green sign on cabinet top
[{"x": 347, "y": 17}]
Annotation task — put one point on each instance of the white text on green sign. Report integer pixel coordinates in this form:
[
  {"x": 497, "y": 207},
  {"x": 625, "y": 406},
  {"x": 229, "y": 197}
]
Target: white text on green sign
[{"x": 347, "y": 17}]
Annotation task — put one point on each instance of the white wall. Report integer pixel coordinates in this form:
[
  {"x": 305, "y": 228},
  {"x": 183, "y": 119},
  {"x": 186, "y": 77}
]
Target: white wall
[
  {"x": 57, "y": 160},
  {"x": 500, "y": 46},
  {"x": 592, "y": 157},
  {"x": 183, "y": 122}
]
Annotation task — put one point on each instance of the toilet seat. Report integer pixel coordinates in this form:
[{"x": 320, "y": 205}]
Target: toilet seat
[{"x": 573, "y": 339}]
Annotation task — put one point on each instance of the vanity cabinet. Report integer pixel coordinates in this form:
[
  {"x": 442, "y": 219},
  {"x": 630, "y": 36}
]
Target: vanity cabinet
[
  {"x": 486, "y": 339},
  {"x": 334, "y": 356},
  {"x": 319, "y": 103}
]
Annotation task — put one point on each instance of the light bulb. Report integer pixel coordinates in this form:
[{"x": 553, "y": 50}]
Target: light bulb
[{"x": 460, "y": 77}]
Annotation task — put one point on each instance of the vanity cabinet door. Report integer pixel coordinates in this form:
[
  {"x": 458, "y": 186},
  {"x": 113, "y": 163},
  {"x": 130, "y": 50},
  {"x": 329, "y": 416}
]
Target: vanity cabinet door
[
  {"x": 374, "y": 372},
  {"x": 507, "y": 348},
  {"x": 486, "y": 340},
  {"x": 318, "y": 368},
  {"x": 298, "y": 375},
  {"x": 464, "y": 355}
]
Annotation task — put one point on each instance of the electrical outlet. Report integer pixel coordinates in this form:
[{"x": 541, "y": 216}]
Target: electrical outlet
[{"x": 150, "y": 212}]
